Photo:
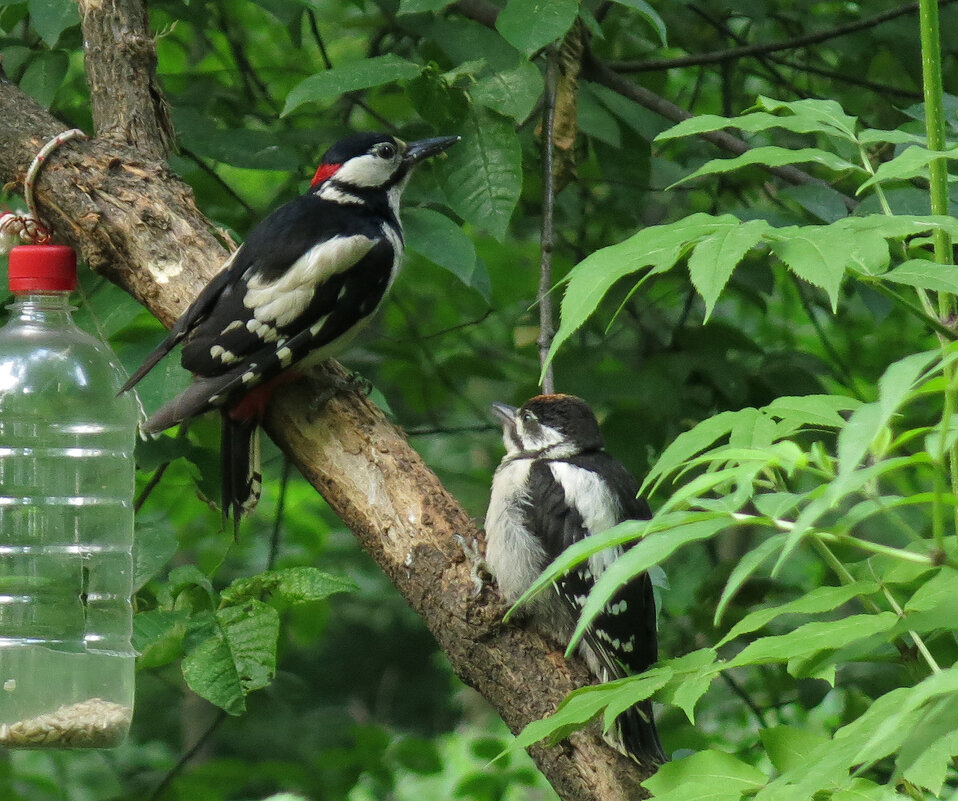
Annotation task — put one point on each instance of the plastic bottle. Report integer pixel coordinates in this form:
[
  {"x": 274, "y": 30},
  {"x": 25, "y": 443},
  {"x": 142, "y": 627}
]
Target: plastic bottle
[{"x": 66, "y": 519}]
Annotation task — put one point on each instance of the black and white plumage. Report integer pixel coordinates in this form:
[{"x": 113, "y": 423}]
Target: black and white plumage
[
  {"x": 306, "y": 281},
  {"x": 555, "y": 486}
]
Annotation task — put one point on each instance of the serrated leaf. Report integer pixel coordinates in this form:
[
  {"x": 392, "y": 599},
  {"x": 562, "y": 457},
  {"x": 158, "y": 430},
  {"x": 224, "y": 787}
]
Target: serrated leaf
[
  {"x": 821, "y": 599},
  {"x": 772, "y": 156},
  {"x": 705, "y": 776},
  {"x": 788, "y": 746},
  {"x": 812, "y": 410},
  {"x": 940, "y": 592},
  {"x": 529, "y": 25},
  {"x": 827, "y": 112},
  {"x": 439, "y": 239},
  {"x": 158, "y": 637},
  {"x": 926, "y": 755},
  {"x": 715, "y": 257},
  {"x": 512, "y": 93},
  {"x": 657, "y": 247},
  {"x": 236, "y": 658},
  {"x": 692, "y": 675},
  {"x": 293, "y": 585},
  {"x": 688, "y": 444},
  {"x": 482, "y": 175},
  {"x": 50, "y": 18},
  {"x": 911, "y": 163},
  {"x": 925, "y": 274},
  {"x": 816, "y": 254},
  {"x": 652, "y": 550},
  {"x": 153, "y": 547},
  {"x": 743, "y": 570},
  {"x": 363, "y": 74},
  {"x": 811, "y": 638}
]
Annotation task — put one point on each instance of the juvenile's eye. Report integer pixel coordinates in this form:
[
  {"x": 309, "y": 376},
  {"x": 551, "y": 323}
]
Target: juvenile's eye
[{"x": 385, "y": 151}]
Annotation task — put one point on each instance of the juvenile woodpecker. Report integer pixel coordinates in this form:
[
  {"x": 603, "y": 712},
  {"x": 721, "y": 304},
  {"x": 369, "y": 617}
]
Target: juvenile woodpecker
[
  {"x": 555, "y": 486},
  {"x": 306, "y": 281}
]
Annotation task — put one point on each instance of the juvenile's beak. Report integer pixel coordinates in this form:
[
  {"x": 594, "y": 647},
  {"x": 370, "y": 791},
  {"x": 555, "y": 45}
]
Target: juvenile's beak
[
  {"x": 425, "y": 148},
  {"x": 505, "y": 413}
]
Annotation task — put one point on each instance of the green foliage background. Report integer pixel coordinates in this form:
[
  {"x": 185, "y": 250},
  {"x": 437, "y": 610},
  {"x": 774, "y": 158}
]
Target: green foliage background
[{"x": 763, "y": 356}]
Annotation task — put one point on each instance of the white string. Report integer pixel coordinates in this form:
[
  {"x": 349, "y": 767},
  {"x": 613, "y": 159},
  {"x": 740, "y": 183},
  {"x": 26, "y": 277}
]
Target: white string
[{"x": 27, "y": 225}]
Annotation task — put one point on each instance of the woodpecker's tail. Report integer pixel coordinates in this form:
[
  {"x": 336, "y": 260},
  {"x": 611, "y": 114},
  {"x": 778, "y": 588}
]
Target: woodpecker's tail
[
  {"x": 241, "y": 476},
  {"x": 635, "y": 735}
]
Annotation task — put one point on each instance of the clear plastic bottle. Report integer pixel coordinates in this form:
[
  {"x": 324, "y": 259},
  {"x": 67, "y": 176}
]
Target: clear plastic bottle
[{"x": 66, "y": 519}]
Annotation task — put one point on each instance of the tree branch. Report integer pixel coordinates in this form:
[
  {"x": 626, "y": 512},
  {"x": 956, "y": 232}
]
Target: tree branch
[
  {"x": 735, "y": 53},
  {"x": 134, "y": 221}
]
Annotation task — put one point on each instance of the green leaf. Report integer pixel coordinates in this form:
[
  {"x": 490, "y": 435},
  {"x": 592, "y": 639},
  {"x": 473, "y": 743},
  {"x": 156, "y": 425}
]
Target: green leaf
[
  {"x": 692, "y": 675},
  {"x": 158, "y": 637},
  {"x": 512, "y": 92},
  {"x": 772, "y": 156},
  {"x": 812, "y": 410},
  {"x": 292, "y": 585},
  {"x": 363, "y": 74},
  {"x": 50, "y": 18},
  {"x": 44, "y": 75},
  {"x": 657, "y": 247},
  {"x": 420, "y": 6},
  {"x": 828, "y": 113},
  {"x": 482, "y": 175},
  {"x": 789, "y": 747},
  {"x": 821, "y": 599},
  {"x": 240, "y": 147},
  {"x": 237, "y": 656},
  {"x": 651, "y": 16},
  {"x": 417, "y": 755},
  {"x": 153, "y": 547},
  {"x": 743, "y": 569},
  {"x": 817, "y": 254},
  {"x": 705, "y": 776},
  {"x": 439, "y": 239},
  {"x": 894, "y": 388},
  {"x": 911, "y": 163},
  {"x": 926, "y": 755},
  {"x": 864, "y": 790},
  {"x": 940, "y": 593},
  {"x": 925, "y": 274},
  {"x": 652, "y": 550},
  {"x": 715, "y": 257},
  {"x": 529, "y": 25},
  {"x": 811, "y": 638}
]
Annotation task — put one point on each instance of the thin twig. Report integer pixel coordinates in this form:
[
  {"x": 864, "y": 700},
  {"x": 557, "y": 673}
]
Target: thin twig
[
  {"x": 280, "y": 510},
  {"x": 732, "y": 54},
  {"x": 547, "y": 239},
  {"x": 181, "y": 763}
]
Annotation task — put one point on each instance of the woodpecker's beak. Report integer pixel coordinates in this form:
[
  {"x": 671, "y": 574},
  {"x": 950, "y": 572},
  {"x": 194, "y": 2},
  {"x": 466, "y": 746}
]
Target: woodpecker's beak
[
  {"x": 424, "y": 148},
  {"x": 505, "y": 412}
]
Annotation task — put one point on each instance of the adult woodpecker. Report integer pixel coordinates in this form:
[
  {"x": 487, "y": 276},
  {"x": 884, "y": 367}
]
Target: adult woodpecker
[
  {"x": 555, "y": 486},
  {"x": 306, "y": 281}
]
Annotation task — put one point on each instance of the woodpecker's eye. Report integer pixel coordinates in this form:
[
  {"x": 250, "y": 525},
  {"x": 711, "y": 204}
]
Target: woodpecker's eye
[{"x": 385, "y": 150}]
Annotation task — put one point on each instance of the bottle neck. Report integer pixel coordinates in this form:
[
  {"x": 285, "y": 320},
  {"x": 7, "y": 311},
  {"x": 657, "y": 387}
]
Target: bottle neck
[{"x": 37, "y": 305}]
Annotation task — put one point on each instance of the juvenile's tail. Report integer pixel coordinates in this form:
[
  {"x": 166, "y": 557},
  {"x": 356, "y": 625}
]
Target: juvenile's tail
[
  {"x": 240, "y": 466},
  {"x": 636, "y": 736}
]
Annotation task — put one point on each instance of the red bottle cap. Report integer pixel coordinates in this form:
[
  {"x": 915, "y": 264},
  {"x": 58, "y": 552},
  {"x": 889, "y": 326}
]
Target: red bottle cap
[{"x": 42, "y": 268}]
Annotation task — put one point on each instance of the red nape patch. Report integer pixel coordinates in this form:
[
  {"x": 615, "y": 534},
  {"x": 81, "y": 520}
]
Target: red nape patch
[
  {"x": 324, "y": 171},
  {"x": 252, "y": 406}
]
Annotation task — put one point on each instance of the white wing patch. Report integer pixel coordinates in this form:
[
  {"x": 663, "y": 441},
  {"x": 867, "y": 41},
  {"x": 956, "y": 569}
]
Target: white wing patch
[
  {"x": 282, "y": 301},
  {"x": 597, "y": 506}
]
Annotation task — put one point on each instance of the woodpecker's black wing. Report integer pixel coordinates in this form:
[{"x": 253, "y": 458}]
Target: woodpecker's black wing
[
  {"x": 318, "y": 273},
  {"x": 624, "y": 634}
]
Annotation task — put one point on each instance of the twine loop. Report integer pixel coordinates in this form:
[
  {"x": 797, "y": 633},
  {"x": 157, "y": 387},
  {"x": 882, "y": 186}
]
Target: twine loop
[{"x": 27, "y": 225}]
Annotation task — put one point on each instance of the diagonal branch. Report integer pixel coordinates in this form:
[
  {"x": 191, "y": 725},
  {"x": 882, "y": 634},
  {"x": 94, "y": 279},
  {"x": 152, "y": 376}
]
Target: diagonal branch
[{"x": 134, "y": 221}]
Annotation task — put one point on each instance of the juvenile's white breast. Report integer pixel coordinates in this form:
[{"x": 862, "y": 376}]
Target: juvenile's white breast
[{"x": 513, "y": 554}]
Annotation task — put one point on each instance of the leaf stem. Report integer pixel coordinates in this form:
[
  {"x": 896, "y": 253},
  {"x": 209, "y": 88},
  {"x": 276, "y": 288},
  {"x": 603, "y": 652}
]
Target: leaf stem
[{"x": 938, "y": 189}]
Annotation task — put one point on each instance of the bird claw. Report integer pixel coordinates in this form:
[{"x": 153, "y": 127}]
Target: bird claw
[
  {"x": 328, "y": 385},
  {"x": 479, "y": 572}
]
